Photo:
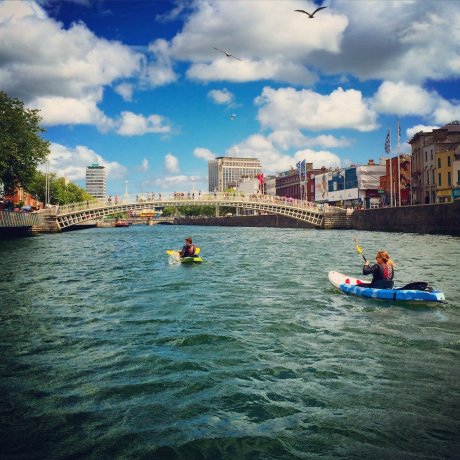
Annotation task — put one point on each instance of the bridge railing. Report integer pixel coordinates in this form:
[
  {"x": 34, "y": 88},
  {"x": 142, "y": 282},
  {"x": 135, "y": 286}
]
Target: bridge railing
[{"x": 160, "y": 199}]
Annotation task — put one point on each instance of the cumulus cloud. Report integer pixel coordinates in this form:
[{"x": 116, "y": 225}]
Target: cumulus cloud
[
  {"x": 132, "y": 124},
  {"x": 410, "y": 132},
  {"x": 55, "y": 68},
  {"x": 287, "y": 108},
  {"x": 177, "y": 183},
  {"x": 72, "y": 162},
  {"x": 171, "y": 163},
  {"x": 221, "y": 96},
  {"x": 274, "y": 161},
  {"x": 285, "y": 139},
  {"x": 204, "y": 154},
  {"x": 404, "y": 99},
  {"x": 125, "y": 90}
]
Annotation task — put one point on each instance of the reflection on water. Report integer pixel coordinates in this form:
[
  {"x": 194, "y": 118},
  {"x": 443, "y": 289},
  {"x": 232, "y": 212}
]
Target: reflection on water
[{"x": 110, "y": 349}]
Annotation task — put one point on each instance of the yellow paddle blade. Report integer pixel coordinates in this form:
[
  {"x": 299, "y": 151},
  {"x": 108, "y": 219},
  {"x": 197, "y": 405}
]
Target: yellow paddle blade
[
  {"x": 171, "y": 252},
  {"x": 357, "y": 247},
  {"x": 197, "y": 250}
]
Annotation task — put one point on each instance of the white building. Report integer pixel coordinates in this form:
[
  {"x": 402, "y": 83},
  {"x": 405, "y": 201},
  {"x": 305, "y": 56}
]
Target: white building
[
  {"x": 96, "y": 180},
  {"x": 227, "y": 172}
]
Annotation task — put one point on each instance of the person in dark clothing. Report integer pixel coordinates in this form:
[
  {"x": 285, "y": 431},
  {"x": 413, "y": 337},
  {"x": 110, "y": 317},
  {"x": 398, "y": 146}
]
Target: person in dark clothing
[
  {"x": 382, "y": 272},
  {"x": 188, "y": 249}
]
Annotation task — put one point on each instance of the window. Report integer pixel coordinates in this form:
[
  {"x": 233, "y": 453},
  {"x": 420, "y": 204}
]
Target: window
[
  {"x": 428, "y": 177},
  {"x": 449, "y": 178},
  {"x": 448, "y": 160},
  {"x": 439, "y": 179},
  {"x": 431, "y": 154},
  {"x": 439, "y": 162},
  {"x": 426, "y": 156},
  {"x": 458, "y": 177}
]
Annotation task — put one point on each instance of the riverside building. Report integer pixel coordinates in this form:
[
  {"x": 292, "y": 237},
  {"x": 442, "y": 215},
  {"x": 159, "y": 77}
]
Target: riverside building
[
  {"x": 227, "y": 172},
  {"x": 96, "y": 180}
]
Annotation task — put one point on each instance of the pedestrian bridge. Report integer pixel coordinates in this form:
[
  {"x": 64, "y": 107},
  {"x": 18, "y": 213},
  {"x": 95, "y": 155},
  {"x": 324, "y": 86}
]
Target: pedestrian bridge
[{"x": 76, "y": 213}]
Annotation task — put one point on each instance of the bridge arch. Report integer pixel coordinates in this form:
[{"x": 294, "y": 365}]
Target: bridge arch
[{"x": 76, "y": 213}]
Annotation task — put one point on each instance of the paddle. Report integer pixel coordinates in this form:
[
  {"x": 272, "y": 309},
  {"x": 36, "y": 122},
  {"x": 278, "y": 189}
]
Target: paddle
[
  {"x": 359, "y": 249},
  {"x": 172, "y": 252}
]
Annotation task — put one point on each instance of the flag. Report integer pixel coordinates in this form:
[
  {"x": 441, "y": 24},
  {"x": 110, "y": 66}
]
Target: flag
[
  {"x": 261, "y": 179},
  {"x": 298, "y": 168},
  {"x": 399, "y": 132},
  {"x": 388, "y": 142},
  {"x": 303, "y": 169}
]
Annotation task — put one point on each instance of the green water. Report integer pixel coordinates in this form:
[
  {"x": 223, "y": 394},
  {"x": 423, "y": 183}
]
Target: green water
[{"x": 110, "y": 349}]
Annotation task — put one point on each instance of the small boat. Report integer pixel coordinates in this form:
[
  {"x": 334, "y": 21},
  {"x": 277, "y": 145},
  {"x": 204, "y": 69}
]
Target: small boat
[
  {"x": 122, "y": 223},
  {"x": 413, "y": 292},
  {"x": 191, "y": 260}
]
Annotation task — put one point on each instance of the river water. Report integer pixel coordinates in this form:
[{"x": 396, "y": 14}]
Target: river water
[{"x": 110, "y": 349}]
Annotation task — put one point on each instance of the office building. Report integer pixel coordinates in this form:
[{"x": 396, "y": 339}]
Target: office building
[
  {"x": 96, "y": 180},
  {"x": 227, "y": 172}
]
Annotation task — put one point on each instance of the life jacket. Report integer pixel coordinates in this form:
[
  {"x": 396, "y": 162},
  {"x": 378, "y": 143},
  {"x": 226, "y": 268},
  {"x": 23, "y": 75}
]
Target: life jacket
[
  {"x": 189, "y": 250},
  {"x": 386, "y": 271}
]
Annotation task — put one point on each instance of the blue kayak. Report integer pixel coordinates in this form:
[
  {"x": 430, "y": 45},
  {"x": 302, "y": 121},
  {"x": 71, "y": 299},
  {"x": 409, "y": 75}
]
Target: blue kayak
[{"x": 350, "y": 285}]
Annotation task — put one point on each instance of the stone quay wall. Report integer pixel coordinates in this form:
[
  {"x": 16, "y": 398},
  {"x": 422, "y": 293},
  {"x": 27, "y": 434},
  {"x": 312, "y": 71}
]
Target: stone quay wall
[{"x": 442, "y": 219}]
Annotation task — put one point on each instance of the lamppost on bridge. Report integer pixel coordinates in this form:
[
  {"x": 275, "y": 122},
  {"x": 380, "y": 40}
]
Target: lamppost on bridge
[{"x": 126, "y": 189}]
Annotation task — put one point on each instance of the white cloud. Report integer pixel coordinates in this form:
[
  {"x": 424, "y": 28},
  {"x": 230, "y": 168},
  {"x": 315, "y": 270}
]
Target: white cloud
[
  {"x": 144, "y": 165},
  {"x": 178, "y": 183},
  {"x": 72, "y": 162},
  {"x": 72, "y": 111},
  {"x": 287, "y": 109},
  {"x": 404, "y": 99},
  {"x": 285, "y": 139},
  {"x": 63, "y": 71},
  {"x": 171, "y": 163},
  {"x": 125, "y": 90},
  {"x": 221, "y": 96},
  {"x": 410, "y": 132},
  {"x": 204, "y": 154},
  {"x": 446, "y": 112},
  {"x": 273, "y": 161},
  {"x": 159, "y": 70},
  {"x": 132, "y": 124}
]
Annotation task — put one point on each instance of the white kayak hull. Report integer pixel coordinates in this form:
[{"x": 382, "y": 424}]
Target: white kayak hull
[{"x": 350, "y": 285}]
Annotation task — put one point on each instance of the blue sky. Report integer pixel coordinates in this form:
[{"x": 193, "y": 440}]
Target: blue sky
[{"x": 139, "y": 87}]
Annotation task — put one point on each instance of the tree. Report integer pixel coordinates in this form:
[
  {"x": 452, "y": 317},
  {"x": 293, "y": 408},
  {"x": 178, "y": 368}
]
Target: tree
[
  {"x": 61, "y": 192},
  {"x": 21, "y": 147}
]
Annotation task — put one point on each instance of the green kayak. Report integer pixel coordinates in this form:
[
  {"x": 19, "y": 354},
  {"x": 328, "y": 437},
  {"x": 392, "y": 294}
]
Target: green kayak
[{"x": 191, "y": 260}]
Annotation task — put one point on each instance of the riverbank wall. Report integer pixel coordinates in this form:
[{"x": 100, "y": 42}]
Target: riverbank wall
[{"x": 442, "y": 219}]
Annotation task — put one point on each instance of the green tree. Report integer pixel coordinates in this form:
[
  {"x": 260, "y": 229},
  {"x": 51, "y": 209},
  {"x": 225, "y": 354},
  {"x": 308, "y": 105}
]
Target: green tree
[
  {"x": 60, "y": 191},
  {"x": 21, "y": 147}
]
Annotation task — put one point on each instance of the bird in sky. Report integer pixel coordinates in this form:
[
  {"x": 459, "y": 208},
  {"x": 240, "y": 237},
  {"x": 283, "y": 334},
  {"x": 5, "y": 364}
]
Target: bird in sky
[
  {"x": 312, "y": 14},
  {"x": 227, "y": 54}
]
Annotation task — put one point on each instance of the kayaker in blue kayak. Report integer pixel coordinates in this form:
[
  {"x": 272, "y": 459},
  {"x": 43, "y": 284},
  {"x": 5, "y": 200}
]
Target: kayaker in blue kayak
[
  {"x": 188, "y": 249},
  {"x": 382, "y": 272}
]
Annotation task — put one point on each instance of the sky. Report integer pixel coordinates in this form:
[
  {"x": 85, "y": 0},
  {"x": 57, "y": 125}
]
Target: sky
[{"x": 145, "y": 87}]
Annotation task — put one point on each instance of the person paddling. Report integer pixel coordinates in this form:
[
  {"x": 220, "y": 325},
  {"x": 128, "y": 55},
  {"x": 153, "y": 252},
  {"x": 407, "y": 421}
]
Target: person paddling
[
  {"x": 382, "y": 272},
  {"x": 188, "y": 249}
]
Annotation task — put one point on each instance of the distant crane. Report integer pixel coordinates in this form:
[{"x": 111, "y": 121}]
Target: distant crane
[
  {"x": 227, "y": 54},
  {"x": 312, "y": 14}
]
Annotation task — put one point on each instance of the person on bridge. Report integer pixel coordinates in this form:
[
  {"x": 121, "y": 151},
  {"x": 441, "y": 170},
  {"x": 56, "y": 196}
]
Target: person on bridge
[
  {"x": 382, "y": 272},
  {"x": 188, "y": 249}
]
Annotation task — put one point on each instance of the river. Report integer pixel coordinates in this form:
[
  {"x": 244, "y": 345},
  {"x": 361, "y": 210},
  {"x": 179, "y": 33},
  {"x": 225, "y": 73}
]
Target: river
[{"x": 110, "y": 349}]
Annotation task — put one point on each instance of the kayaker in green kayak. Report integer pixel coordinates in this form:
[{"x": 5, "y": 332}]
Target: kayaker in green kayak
[
  {"x": 188, "y": 249},
  {"x": 382, "y": 272}
]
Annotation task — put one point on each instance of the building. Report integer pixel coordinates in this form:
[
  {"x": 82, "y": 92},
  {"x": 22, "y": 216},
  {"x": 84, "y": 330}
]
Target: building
[
  {"x": 227, "y": 172},
  {"x": 291, "y": 184},
  {"x": 96, "y": 180},
  {"x": 350, "y": 187},
  {"x": 434, "y": 164}
]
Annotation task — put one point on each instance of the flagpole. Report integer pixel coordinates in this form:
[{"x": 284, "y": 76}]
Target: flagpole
[
  {"x": 391, "y": 169},
  {"x": 399, "y": 164}
]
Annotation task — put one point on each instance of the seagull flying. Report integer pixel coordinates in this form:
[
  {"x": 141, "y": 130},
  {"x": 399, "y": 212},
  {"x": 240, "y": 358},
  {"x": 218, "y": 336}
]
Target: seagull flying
[
  {"x": 312, "y": 14},
  {"x": 227, "y": 54}
]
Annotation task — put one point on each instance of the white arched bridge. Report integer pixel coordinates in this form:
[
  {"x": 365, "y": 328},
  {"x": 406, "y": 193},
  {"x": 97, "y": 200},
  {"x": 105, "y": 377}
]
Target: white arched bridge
[
  {"x": 77, "y": 213},
  {"x": 58, "y": 218}
]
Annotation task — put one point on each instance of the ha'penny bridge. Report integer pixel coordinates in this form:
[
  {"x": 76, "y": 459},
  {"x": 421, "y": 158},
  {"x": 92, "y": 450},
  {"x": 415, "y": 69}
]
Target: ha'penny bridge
[{"x": 64, "y": 217}]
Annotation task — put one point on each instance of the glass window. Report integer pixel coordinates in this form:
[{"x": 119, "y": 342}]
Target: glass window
[
  {"x": 439, "y": 179},
  {"x": 449, "y": 178},
  {"x": 448, "y": 160},
  {"x": 439, "y": 162}
]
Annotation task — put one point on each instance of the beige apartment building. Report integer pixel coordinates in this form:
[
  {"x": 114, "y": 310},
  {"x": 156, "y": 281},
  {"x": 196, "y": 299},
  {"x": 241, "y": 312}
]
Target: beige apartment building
[{"x": 227, "y": 172}]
